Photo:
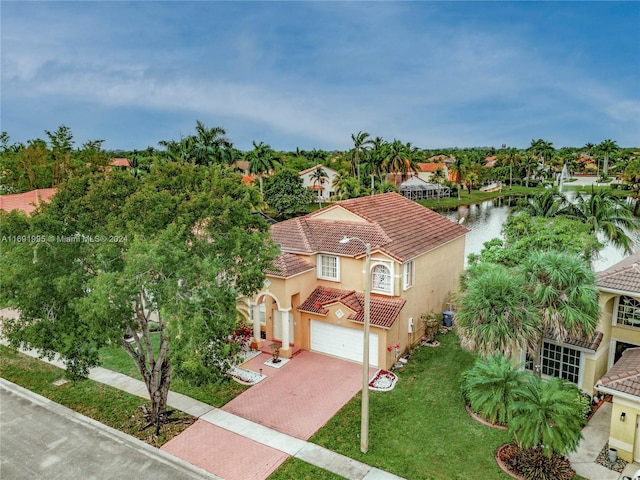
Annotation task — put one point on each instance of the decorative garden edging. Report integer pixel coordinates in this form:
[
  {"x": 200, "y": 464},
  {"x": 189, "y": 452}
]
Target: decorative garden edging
[
  {"x": 383, "y": 381},
  {"x": 501, "y": 464},
  {"x": 246, "y": 377},
  {"x": 481, "y": 420}
]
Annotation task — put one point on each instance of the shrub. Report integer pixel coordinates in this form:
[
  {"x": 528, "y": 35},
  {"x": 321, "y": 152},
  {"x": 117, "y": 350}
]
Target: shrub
[{"x": 533, "y": 464}]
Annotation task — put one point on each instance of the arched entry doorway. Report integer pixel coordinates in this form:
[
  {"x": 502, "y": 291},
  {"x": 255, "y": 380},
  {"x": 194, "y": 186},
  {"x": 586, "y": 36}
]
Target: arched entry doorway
[{"x": 272, "y": 323}]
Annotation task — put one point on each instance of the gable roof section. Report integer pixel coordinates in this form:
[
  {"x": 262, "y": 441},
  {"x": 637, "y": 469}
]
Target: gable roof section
[
  {"x": 391, "y": 223},
  {"x": 311, "y": 169},
  {"x": 287, "y": 265},
  {"x": 27, "y": 202},
  {"x": 384, "y": 310},
  {"x": 624, "y": 276},
  {"x": 624, "y": 376}
]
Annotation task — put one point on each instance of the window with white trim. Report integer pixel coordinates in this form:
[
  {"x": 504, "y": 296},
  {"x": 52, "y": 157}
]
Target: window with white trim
[
  {"x": 409, "y": 275},
  {"x": 381, "y": 278},
  {"x": 628, "y": 312},
  {"x": 328, "y": 267},
  {"x": 560, "y": 361}
]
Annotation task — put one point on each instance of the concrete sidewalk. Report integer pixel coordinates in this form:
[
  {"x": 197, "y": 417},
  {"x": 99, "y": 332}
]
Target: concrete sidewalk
[
  {"x": 595, "y": 437},
  {"x": 289, "y": 445}
]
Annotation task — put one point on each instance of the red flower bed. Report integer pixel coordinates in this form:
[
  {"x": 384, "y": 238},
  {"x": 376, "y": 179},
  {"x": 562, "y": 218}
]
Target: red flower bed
[{"x": 383, "y": 381}]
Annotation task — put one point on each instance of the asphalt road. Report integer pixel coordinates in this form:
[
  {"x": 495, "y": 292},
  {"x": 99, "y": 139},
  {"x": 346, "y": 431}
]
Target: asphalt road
[{"x": 40, "y": 439}]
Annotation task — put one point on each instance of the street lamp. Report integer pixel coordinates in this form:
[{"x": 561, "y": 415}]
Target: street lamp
[{"x": 364, "y": 424}]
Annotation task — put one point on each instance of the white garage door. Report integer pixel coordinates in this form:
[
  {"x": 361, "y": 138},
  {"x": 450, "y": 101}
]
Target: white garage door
[{"x": 342, "y": 342}]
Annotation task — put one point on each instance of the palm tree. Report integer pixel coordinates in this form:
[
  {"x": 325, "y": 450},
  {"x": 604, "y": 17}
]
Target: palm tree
[
  {"x": 546, "y": 415},
  {"x": 210, "y": 145},
  {"x": 562, "y": 288},
  {"x": 261, "y": 160},
  {"x": 492, "y": 385},
  {"x": 345, "y": 186},
  {"x": 397, "y": 159},
  {"x": 607, "y": 147},
  {"x": 361, "y": 144},
  {"x": 494, "y": 313},
  {"x": 530, "y": 164},
  {"x": 607, "y": 214},
  {"x": 375, "y": 160},
  {"x": 319, "y": 176},
  {"x": 549, "y": 203},
  {"x": 631, "y": 175},
  {"x": 439, "y": 178},
  {"x": 543, "y": 150}
]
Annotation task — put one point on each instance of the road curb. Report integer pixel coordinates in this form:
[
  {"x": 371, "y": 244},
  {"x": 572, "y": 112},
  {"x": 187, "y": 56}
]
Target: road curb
[{"x": 112, "y": 433}]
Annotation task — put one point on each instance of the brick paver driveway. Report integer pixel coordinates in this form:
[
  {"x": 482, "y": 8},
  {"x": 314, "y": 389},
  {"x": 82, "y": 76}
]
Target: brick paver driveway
[
  {"x": 296, "y": 399},
  {"x": 300, "y": 397}
]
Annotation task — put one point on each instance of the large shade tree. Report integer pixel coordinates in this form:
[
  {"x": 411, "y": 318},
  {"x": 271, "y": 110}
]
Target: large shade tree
[{"x": 113, "y": 256}]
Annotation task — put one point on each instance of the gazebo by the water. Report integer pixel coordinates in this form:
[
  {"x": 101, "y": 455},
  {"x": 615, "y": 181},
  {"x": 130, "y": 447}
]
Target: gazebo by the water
[{"x": 417, "y": 189}]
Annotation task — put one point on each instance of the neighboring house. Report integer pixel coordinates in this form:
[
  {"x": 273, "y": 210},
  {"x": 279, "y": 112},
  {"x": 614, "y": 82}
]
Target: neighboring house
[
  {"x": 323, "y": 189},
  {"x": 617, "y": 365},
  {"x": 426, "y": 171},
  {"x": 27, "y": 202},
  {"x": 584, "y": 362},
  {"x": 313, "y": 298},
  {"x": 417, "y": 189}
]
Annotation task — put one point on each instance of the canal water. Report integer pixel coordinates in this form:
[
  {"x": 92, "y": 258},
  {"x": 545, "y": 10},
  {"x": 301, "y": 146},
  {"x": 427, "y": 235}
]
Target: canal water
[{"x": 485, "y": 220}]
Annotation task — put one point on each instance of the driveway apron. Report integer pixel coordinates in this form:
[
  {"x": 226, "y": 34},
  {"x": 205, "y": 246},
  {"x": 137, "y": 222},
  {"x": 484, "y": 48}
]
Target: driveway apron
[{"x": 296, "y": 399}]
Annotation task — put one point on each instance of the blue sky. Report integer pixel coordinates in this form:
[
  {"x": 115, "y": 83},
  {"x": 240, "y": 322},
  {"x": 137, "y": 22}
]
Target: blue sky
[{"x": 309, "y": 74}]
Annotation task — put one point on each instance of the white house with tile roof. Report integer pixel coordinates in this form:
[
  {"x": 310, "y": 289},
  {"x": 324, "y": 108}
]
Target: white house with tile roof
[
  {"x": 323, "y": 188},
  {"x": 313, "y": 298}
]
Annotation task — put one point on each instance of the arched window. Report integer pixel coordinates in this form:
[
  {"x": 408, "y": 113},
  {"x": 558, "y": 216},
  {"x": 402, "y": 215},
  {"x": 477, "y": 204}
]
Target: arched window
[{"x": 381, "y": 278}]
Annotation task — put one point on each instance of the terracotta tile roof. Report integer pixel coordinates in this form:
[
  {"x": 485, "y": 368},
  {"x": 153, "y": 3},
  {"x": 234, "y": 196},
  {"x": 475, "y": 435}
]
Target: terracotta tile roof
[
  {"x": 287, "y": 265},
  {"x": 624, "y": 376},
  {"x": 430, "y": 167},
  {"x": 384, "y": 310},
  {"x": 27, "y": 202},
  {"x": 391, "y": 223},
  {"x": 591, "y": 343},
  {"x": 120, "y": 162},
  {"x": 623, "y": 276},
  {"x": 312, "y": 235}
]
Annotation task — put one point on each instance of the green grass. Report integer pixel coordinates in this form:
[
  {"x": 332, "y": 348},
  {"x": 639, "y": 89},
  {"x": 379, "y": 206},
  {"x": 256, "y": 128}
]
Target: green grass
[
  {"x": 294, "y": 469},
  {"x": 419, "y": 430},
  {"x": 105, "y": 404},
  {"x": 116, "y": 359}
]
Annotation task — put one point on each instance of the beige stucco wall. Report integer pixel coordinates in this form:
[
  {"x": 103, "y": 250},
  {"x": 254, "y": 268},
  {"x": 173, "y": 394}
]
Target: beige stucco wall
[
  {"x": 597, "y": 364},
  {"x": 622, "y": 435},
  {"x": 436, "y": 277}
]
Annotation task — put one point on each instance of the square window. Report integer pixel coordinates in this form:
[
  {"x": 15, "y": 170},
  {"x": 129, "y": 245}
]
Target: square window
[{"x": 328, "y": 267}]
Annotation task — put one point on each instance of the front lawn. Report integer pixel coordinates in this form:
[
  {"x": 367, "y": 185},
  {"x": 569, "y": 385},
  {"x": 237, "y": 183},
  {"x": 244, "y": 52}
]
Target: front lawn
[
  {"x": 107, "y": 405},
  {"x": 419, "y": 430},
  {"x": 116, "y": 359}
]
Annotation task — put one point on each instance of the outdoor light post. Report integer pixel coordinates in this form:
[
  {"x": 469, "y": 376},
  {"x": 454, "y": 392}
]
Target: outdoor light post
[{"x": 364, "y": 425}]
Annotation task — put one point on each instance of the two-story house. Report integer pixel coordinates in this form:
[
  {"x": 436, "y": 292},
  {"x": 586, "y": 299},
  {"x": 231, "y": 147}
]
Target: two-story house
[
  {"x": 617, "y": 364},
  {"x": 313, "y": 299},
  {"x": 321, "y": 186}
]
